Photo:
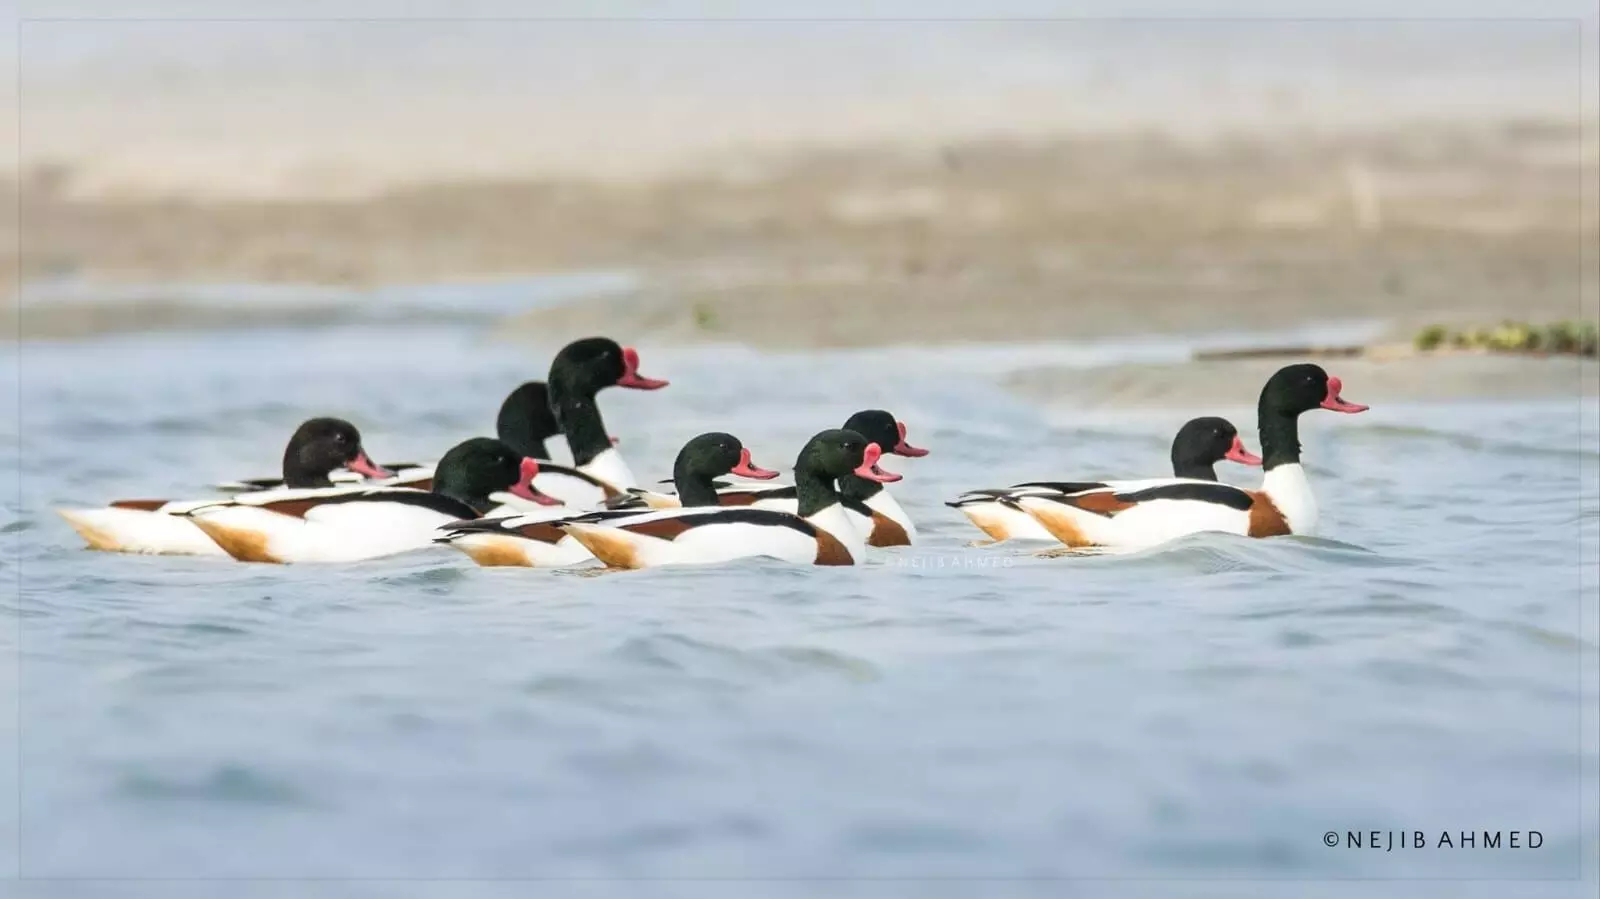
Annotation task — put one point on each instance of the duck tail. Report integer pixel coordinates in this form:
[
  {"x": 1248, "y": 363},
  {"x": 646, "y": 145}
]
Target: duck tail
[{"x": 611, "y": 546}]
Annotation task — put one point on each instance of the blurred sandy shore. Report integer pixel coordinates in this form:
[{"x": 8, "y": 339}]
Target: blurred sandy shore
[
  {"x": 1234, "y": 384},
  {"x": 1075, "y": 238}
]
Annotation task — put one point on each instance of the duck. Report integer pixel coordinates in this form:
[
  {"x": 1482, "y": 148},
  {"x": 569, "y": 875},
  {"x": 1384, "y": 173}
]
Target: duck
[
  {"x": 821, "y": 533},
  {"x": 1143, "y": 513},
  {"x": 524, "y": 423},
  {"x": 579, "y": 371},
  {"x": 318, "y": 448},
  {"x": 875, "y": 512},
  {"x": 1198, "y": 446},
  {"x": 534, "y": 541},
  {"x": 479, "y": 476}
]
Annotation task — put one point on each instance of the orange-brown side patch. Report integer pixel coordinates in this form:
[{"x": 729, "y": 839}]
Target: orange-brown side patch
[
  {"x": 664, "y": 529},
  {"x": 295, "y": 507},
  {"x": 497, "y": 554},
  {"x": 992, "y": 524},
  {"x": 609, "y": 548},
  {"x": 143, "y": 505},
  {"x": 1098, "y": 503},
  {"x": 736, "y": 498},
  {"x": 1060, "y": 525},
  {"x": 241, "y": 543},
  {"x": 1265, "y": 518},
  {"x": 887, "y": 532},
  {"x": 424, "y": 484},
  {"x": 542, "y": 531},
  {"x": 830, "y": 551}
]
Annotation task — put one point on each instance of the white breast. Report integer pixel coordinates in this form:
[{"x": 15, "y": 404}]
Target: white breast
[
  {"x": 1287, "y": 487},
  {"x": 859, "y": 525},
  {"x": 610, "y": 467},
  {"x": 844, "y": 527},
  {"x": 140, "y": 531},
  {"x": 886, "y": 505}
]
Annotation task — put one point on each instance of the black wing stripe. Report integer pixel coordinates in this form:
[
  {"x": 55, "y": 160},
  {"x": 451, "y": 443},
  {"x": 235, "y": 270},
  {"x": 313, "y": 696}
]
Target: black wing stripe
[
  {"x": 1221, "y": 494},
  {"x": 972, "y": 497},
  {"x": 740, "y": 515},
  {"x": 434, "y": 502},
  {"x": 1063, "y": 486},
  {"x": 761, "y": 494}
]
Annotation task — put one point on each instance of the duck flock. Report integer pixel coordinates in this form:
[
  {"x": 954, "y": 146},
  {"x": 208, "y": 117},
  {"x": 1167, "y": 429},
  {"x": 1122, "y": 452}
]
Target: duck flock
[{"x": 502, "y": 502}]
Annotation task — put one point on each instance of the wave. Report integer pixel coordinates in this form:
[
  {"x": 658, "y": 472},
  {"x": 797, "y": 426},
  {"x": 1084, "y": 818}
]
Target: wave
[
  {"x": 1215, "y": 553},
  {"x": 223, "y": 783},
  {"x": 1458, "y": 440},
  {"x": 686, "y": 655}
]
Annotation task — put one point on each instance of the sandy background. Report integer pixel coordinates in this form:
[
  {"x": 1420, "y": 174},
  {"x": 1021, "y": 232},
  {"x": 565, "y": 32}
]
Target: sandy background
[{"x": 824, "y": 183}]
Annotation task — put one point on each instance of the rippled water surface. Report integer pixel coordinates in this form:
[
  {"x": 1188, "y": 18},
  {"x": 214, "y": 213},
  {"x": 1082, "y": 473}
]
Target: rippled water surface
[{"x": 1208, "y": 710}]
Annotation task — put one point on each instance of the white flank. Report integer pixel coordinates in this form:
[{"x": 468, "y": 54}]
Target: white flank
[
  {"x": 716, "y": 542},
  {"x": 165, "y": 531},
  {"x": 336, "y": 532},
  {"x": 994, "y": 518},
  {"x": 533, "y": 553},
  {"x": 138, "y": 531},
  {"x": 1148, "y": 523},
  {"x": 710, "y": 544}
]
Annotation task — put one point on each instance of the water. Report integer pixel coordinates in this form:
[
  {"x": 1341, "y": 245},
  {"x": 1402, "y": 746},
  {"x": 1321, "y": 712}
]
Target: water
[{"x": 940, "y": 716}]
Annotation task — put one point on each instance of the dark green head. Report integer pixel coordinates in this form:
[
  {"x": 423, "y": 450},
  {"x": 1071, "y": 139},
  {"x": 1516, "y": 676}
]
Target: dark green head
[
  {"x": 594, "y": 363},
  {"x": 321, "y": 445},
  {"x": 833, "y": 454},
  {"x": 707, "y": 457},
  {"x": 888, "y": 432},
  {"x": 1292, "y": 390},
  {"x": 526, "y": 420},
  {"x": 473, "y": 469},
  {"x": 579, "y": 371},
  {"x": 1202, "y": 443},
  {"x": 715, "y": 454}
]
